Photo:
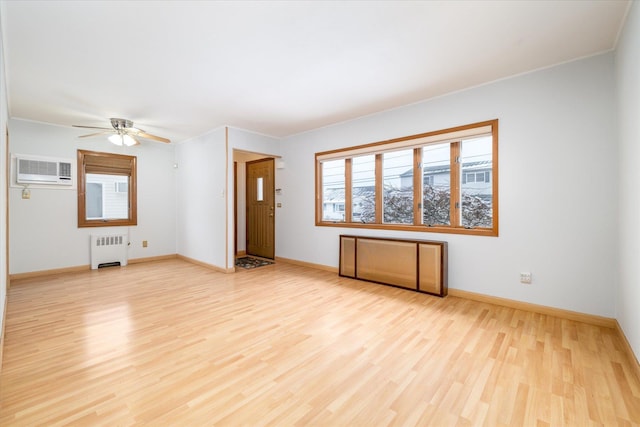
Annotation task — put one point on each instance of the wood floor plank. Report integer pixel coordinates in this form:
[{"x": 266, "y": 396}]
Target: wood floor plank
[{"x": 173, "y": 343}]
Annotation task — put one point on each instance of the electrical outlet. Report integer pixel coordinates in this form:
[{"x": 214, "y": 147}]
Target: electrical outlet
[
  {"x": 525, "y": 278},
  {"x": 144, "y": 243}
]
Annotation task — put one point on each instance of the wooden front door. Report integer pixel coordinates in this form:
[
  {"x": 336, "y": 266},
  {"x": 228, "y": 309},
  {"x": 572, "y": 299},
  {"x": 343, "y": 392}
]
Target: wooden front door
[{"x": 261, "y": 208}]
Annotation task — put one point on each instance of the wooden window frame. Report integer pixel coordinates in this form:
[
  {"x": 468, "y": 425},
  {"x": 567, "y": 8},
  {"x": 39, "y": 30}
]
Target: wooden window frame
[
  {"x": 106, "y": 164},
  {"x": 416, "y": 142}
]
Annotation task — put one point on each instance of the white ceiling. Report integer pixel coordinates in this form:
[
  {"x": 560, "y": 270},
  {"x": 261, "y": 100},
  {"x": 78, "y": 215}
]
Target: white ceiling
[{"x": 179, "y": 69}]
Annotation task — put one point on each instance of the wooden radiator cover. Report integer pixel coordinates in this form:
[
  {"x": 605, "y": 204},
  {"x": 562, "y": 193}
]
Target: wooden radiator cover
[{"x": 419, "y": 265}]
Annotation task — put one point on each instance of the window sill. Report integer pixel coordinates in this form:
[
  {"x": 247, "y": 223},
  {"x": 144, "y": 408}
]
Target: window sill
[
  {"x": 107, "y": 223},
  {"x": 487, "y": 232}
]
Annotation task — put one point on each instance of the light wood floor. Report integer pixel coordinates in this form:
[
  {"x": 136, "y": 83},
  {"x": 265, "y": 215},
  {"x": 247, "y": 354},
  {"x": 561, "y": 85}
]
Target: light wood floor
[{"x": 171, "y": 343}]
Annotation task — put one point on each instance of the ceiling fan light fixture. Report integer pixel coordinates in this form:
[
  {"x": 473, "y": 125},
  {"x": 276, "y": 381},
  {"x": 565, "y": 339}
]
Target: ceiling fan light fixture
[
  {"x": 128, "y": 140},
  {"x": 116, "y": 139},
  {"x": 121, "y": 139}
]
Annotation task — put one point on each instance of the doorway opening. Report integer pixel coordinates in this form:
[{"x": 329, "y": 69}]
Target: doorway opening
[{"x": 254, "y": 204}]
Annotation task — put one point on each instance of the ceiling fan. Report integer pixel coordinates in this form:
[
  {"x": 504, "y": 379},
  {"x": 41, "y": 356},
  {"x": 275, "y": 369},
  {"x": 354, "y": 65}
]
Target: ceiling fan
[{"x": 123, "y": 133}]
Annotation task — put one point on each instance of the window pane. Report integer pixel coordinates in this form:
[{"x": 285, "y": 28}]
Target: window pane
[
  {"x": 477, "y": 194},
  {"x": 363, "y": 177},
  {"x": 122, "y": 187},
  {"x": 94, "y": 200},
  {"x": 436, "y": 184},
  {"x": 103, "y": 201},
  {"x": 259, "y": 195},
  {"x": 332, "y": 190},
  {"x": 397, "y": 175}
]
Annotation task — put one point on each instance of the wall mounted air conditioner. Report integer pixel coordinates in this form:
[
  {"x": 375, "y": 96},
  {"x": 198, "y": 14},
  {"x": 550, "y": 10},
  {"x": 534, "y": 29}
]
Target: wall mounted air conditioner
[{"x": 42, "y": 170}]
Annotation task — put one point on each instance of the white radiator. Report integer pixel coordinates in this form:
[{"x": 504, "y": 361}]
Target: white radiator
[{"x": 108, "y": 250}]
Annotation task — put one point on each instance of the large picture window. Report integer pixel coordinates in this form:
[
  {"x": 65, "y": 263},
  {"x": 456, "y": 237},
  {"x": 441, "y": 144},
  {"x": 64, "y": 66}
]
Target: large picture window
[
  {"x": 444, "y": 181},
  {"x": 106, "y": 189}
]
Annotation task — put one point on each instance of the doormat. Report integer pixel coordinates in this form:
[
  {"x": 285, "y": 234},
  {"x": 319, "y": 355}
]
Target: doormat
[{"x": 251, "y": 262}]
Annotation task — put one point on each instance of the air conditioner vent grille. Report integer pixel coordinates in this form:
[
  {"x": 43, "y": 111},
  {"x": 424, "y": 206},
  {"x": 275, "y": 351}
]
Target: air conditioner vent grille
[
  {"x": 38, "y": 167},
  {"x": 65, "y": 170}
]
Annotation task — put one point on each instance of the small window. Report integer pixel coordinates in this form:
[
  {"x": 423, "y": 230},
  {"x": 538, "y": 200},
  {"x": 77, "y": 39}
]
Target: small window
[
  {"x": 122, "y": 186},
  {"x": 333, "y": 183},
  {"x": 477, "y": 192},
  {"x": 436, "y": 191},
  {"x": 363, "y": 188},
  {"x": 106, "y": 189},
  {"x": 397, "y": 176},
  {"x": 259, "y": 189},
  {"x": 94, "y": 200}
]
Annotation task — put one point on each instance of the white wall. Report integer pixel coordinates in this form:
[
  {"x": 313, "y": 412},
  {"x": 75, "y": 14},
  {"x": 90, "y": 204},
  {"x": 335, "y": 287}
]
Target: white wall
[
  {"x": 203, "y": 207},
  {"x": 43, "y": 229},
  {"x": 558, "y": 203},
  {"x": 201, "y": 199},
  {"x": 3, "y": 185},
  {"x": 628, "y": 92}
]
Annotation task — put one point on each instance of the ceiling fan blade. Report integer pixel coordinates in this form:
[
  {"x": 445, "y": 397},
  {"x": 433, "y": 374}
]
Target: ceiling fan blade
[
  {"x": 145, "y": 135},
  {"x": 90, "y": 127},
  {"x": 123, "y": 127},
  {"x": 95, "y": 134}
]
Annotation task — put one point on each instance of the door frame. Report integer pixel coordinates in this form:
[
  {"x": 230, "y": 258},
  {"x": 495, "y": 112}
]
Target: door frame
[
  {"x": 240, "y": 193},
  {"x": 7, "y": 160}
]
